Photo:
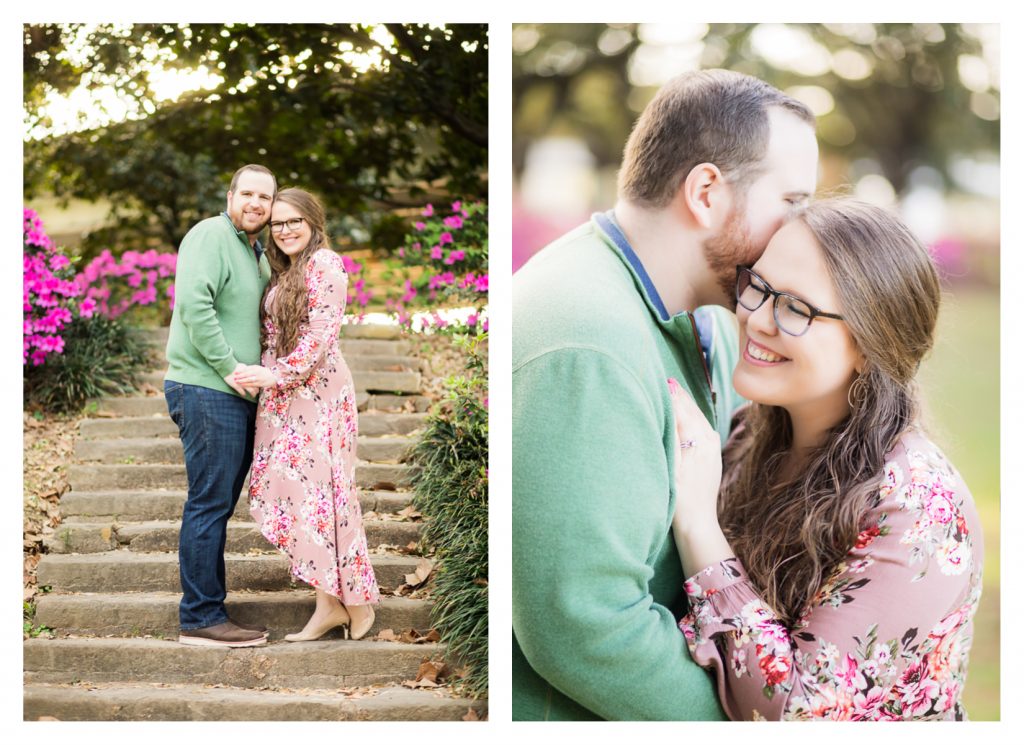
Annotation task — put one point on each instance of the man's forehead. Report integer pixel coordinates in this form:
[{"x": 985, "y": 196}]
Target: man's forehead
[{"x": 255, "y": 181}]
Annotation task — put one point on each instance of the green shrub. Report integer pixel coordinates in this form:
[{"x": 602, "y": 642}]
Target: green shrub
[
  {"x": 451, "y": 491},
  {"x": 102, "y": 356}
]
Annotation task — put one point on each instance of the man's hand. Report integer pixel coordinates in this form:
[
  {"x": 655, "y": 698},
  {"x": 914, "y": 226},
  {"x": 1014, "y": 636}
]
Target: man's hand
[
  {"x": 240, "y": 388},
  {"x": 254, "y": 376}
]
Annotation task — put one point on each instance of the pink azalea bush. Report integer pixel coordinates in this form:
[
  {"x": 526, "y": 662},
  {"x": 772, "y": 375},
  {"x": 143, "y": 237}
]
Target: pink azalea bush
[
  {"x": 49, "y": 293},
  {"x": 358, "y": 293},
  {"x": 451, "y": 247},
  {"x": 114, "y": 286}
]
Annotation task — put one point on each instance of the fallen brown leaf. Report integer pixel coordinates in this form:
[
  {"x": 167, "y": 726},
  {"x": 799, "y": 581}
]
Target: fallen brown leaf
[
  {"x": 410, "y": 513},
  {"x": 423, "y": 570},
  {"x": 471, "y": 716},
  {"x": 387, "y": 635},
  {"x": 432, "y": 670}
]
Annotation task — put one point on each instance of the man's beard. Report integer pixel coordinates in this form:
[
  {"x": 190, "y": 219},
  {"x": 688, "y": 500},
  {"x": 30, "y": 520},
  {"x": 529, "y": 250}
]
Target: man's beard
[
  {"x": 239, "y": 223},
  {"x": 730, "y": 247}
]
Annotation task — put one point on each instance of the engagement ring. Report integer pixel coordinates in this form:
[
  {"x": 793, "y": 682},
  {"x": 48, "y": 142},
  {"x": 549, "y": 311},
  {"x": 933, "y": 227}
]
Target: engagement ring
[{"x": 687, "y": 444}]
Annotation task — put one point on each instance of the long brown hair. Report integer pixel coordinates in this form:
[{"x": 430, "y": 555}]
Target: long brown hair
[
  {"x": 791, "y": 534},
  {"x": 290, "y": 307}
]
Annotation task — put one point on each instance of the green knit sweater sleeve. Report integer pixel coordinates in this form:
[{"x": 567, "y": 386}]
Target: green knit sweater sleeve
[
  {"x": 201, "y": 272},
  {"x": 591, "y": 508}
]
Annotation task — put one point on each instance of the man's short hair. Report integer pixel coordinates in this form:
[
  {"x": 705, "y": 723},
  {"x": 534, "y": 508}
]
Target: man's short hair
[
  {"x": 252, "y": 167},
  {"x": 707, "y": 116}
]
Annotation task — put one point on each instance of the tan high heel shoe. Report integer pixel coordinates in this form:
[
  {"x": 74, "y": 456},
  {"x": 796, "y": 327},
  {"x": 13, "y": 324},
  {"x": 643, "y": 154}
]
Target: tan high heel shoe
[
  {"x": 338, "y": 617},
  {"x": 358, "y": 632}
]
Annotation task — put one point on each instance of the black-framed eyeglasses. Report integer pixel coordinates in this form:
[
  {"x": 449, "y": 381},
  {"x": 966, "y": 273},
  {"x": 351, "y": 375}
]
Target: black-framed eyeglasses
[
  {"x": 293, "y": 224},
  {"x": 792, "y": 314}
]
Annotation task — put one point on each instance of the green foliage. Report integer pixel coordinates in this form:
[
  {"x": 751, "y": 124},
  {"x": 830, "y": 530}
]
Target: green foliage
[
  {"x": 29, "y": 628},
  {"x": 451, "y": 491},
  {"x": 291, "y": 99},
  {"x": 102, "y": 356},
  {"x": 909, "y": 107}
]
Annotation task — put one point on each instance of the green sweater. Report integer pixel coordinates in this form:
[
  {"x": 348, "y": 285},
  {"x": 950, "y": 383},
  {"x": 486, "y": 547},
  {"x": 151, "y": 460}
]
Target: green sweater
[
  {"x": 218, "y": 286},
  {"x": 596, "y": 578}
]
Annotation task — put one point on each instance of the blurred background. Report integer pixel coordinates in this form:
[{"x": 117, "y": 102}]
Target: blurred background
[{"x": 908, "y": 117}]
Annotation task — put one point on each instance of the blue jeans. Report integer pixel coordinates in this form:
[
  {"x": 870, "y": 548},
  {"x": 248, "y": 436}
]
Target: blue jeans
[{"x": 217, "y": 431}]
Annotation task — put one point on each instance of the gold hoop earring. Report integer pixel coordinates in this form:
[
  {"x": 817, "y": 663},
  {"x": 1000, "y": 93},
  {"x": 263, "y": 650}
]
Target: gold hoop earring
[{"x": 857, "y": 393}]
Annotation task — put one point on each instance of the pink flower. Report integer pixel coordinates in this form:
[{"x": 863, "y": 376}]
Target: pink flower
[
  {"x": 436, "y": 252},
  {"x": 401, "y": 252},
  {"x": 454, "y": 222},
  {"x": 774, "y": 669},
  {"x": 419, "y": 225},
  {"x": 428, "y": 210},
  {"x": 446, "y": 238},
  {"x": 916, "y": 690}
]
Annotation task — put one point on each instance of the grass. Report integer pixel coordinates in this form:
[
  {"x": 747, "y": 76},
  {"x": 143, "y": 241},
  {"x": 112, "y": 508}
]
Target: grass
[{"x": 960, "y": 382}]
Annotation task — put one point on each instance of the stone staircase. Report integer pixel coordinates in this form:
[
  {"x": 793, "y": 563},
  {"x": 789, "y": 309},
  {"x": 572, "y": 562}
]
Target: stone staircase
[{"x": 113, "y": 568}]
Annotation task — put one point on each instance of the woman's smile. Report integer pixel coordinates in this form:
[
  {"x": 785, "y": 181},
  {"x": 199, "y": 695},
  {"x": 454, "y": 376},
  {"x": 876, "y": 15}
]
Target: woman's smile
[{"x": 757, "y": 354}]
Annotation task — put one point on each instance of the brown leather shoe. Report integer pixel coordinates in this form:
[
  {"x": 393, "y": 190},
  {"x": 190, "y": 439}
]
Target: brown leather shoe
[
  {"x": 248, "y": 626},
  {"x": 225, "y": 634}
]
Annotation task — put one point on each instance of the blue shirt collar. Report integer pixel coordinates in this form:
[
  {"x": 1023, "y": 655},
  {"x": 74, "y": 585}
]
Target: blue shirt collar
[
  {"x": 608, "y": 224},
  {"x": 701, "y": 317}
]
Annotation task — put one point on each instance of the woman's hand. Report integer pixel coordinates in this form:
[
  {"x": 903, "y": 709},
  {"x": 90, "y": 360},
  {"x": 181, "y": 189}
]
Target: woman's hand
[
  {"x": 254, "y": 376},
  {"x": 698, "y": 477},
  {"x": 698, "y": 473}
]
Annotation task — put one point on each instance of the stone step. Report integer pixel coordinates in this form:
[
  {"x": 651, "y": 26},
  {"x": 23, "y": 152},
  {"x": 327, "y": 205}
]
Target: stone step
[
  {"x": 371, "y": 331},
  {"x": 156, "y": 613},
  {"x": 169, "y": 449},
  {"x": 73, "y": 537},
  {"x": 198, "y": 703},
  {"x": 317, "y": 664},
  {"x": 104, "y": 477},
  {"x": 358, "y": 363},
  {"x": 128, "y": 571},
  {"x": 366, "y": 379},
  {"x": 160, "y": 425},
  {"x": 148, "y": 406},
  {"x": 361, "y": 347},
  {"x": 139, "y": 506},
  {"x": 350, "y": 334}
]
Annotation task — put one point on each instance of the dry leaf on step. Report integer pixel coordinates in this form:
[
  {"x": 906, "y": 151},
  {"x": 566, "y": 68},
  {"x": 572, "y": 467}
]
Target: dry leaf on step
[{"x": 423, "y": 570}]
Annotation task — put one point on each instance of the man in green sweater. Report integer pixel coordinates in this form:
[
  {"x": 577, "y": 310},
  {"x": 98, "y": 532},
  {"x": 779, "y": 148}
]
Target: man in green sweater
[
  {"x": 215, "y": 329},
  {"x": 602, "y": 318}
]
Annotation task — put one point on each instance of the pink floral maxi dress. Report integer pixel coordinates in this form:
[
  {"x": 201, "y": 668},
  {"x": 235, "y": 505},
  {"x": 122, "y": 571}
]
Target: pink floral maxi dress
[
  {"x": 886, "y": 638},
  {"x": 302, "y": 489}
]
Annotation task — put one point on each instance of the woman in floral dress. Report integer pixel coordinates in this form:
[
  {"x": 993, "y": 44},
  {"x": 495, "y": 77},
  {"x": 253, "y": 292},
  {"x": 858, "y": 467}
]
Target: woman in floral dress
[
  {"x": 835, "y": 558},
  {"x": 302, "y": 486}
]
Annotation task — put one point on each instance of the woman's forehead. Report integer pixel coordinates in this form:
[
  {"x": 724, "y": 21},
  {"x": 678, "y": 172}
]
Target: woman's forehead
[{"x": 283, "y": 210}]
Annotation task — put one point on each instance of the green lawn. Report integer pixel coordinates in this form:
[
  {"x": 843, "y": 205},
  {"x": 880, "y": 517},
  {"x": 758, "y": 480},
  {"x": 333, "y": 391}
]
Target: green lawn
[{"x": 960, "y": 382}]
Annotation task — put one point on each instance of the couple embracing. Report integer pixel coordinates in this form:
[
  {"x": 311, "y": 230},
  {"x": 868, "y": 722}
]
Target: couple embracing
[
  {"x": 733, "y": 516},
  {"x": 256, "y": 378}
]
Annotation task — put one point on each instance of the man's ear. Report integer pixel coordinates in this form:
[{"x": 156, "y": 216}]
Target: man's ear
[
  {"x": 702, "y": 194},
  {"x": 229, "y": 199}
]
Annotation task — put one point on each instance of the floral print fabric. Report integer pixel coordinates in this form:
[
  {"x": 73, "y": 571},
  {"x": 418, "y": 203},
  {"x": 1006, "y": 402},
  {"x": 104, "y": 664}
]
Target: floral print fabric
[
  {"x": 886, "y": 638},
  {"x": 302, "y": 489}
]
